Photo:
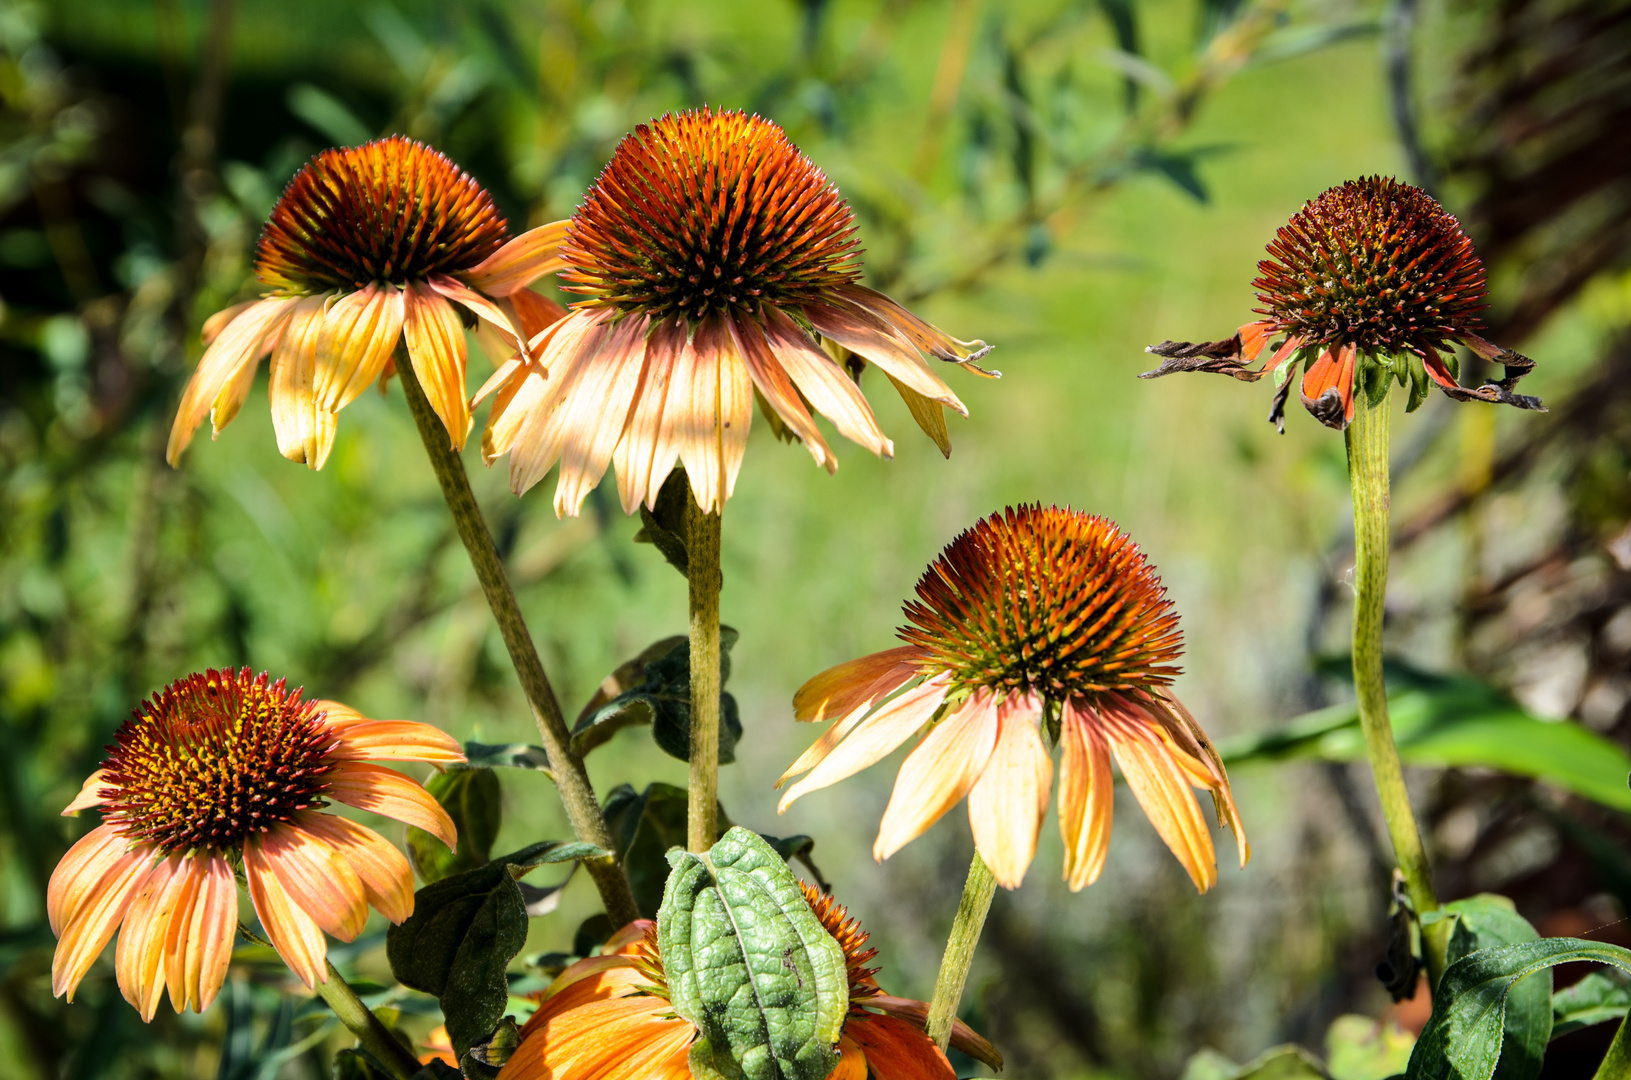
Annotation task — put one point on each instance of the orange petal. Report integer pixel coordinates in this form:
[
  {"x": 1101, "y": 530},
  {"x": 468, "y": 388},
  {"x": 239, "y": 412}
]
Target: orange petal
[
  {"x": 533, "y": 313},
  {"x": 939, "y": 772},
  {"x": 864, "y": 333},
  {"x": 897, "y": 1050},
  {"x": 491, "y": 315},
  {"x": 1199, "y": 759},
  {"x": 594, "y": 417},
  {"x": 872, "y": 739},
  {"x": 338, "y": 715},
  {"x": 139, "y": 958},
  {"x": 851, "y": 1061},
  {"x": 436, "y": 346},
  {"x": 90, "y": 794},
  {"x": 773, "y": 383},
  {"x": 645, "y": 454},
  {"x": 621, "y": 1038},
  {"x": 855, "y": 684},
  {"x": 521, "y": 261},
  {"x": 384, "y": 791},
  {"x": 359, "y": 333},
  {"x": 198, "y": 943},
  {"x": 1330, "y": 374},
  {"x": 830, "y": 391},
  {"x": 1086, "y": 795},
  {"x": 387, "y": 879},
  {"x": 1006, "y": 806},
  {"x": 88, "y": 924},
  {"x": 316, "y": 879},
  {"x": 537, "y": 414},
  {"x": 81, "y": 874},
  {"x": 292, "y": 932},
  {"x": 1162, "y": 789},
  {"x": 1253, "y": 336},
  {"x": 691, "y": 413},
  {"x": 304, "y": 432},
  {"x": 396, "y": 740},
  {"x": 238, "y": 345},
  {"x": 916, "y": 1013}
]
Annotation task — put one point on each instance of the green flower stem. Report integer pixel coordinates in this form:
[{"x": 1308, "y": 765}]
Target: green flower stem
[
  {"x": 1368, "y": 475},
  {"x": 571, "y": 780},
  {"x": 954, "y": 965},
  {"x": 1617, "y": 1062},
  {"x": 371, "y": 1034},
  {"x": 702, "y": 562}
]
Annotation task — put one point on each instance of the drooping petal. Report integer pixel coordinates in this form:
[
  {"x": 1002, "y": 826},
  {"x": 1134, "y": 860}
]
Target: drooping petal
[
  {"x": 897, "y": 1050},
  {"x": 1200, "y": 759},
  {"x": 1162, "y": 790},
  {"x": 79, "y": 874},
  {"x": 221, "y": 320},
  {"x": 385, "y": 791},
  {"x": 396, "y": 740},
  {"x": 1327, "y": 389},
  {"x": 857, "y": 700},
  {"x": 932, "y": 340},
  {"x": 293, "y": 933},
  {"x": 386, "y": 877},
  {"x": 1086, "y": 795},
  {"x": 863, "y": 333},
  {"x": 316, "y": 879},
  {"x": 435, "y": 339},
  {"x": 90, "y": 794},
  {"x": 139, "y": 957},
  {"x": 568, "y": 354},
  {"x": 239, "y": 345},
  {"x": 339, "y": 715},
  {"x": 735, "y": 416},
  {"x": 520, "y": 262},
  {"x": 644, "y": 456},
  {"x": 691, "y": 413},
  {"x": 916, "y": 1013},
  {"x": 856, "y": 684},
  {"x": 1006, "y": 806},
  {"x": 872, "y": 739},
  {"x": 772, "y": 381},
  {"x": 939, "y": 772},
  {"x": 88, "y": 916},
  {"x": 595, "y": 416},
  {"x": 198, "y": 944},
  {"x": 929, "y": 414},
  {"x": 492, "y": 316},
  {"x": 824, "y": 385},
  {"x": 359, "y": 334},
  {"x": 533, "y": 313},
  {"x": 304, "y": 432}
]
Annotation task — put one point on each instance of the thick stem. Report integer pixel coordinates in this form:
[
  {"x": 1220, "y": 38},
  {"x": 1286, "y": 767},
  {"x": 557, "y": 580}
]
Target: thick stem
[
  {"x": 965, "y": 935},
  {"x": 702, "y": 560},
  {"x": 371, "y": 1034},
  {"x": 578, "y": 795},
  {"x": 1368, "y": 475}
]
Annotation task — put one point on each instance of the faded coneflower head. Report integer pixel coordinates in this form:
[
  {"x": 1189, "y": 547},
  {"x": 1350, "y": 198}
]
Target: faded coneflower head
[
  {"x": 226, "y": 771},
  {"x": 716, "y": 263},
  {"x": 1034, "y": 620},
  {"x": 609, "y": 1017},
  {"x": 366, "y": 246},
  {"x": 1370, "y": 281}
]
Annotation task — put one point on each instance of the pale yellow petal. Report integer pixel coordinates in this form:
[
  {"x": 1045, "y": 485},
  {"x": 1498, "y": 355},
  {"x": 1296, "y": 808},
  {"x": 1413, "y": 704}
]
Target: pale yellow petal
[
  {"x": 595, "y": 416},
  {"x": 304, "y": 432},
  {"x": 238, "y": 345},
  {"x": 646, "y": 452},
  {"x": 359, "y": 333},
  {"x": 872, "y": 739},
  {"x": 1006, "y": 806},
  {"x": 436, "y": 347},
  {"x": 939, "y": 773},
  {"x": 828, "y": 389}
]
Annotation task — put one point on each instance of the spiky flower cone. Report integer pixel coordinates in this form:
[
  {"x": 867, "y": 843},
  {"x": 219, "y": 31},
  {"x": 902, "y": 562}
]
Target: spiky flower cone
[
  {"x": 223, "y": 770},
  {"x": 1033, "y": 621},
  {"x": 1368, "y": 282},
  {"x": 366, "y": 247},
  {"x": 716, "y": 263}
]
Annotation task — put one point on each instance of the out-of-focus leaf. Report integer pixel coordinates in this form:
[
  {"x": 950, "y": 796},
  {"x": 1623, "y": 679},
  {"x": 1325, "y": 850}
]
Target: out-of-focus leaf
[
  {"x": 663, "y": 527},
  {"x": 507, "y": 756},
  {"x": 750, "y": 965},
  {"x": 1122, "y": 16},
  {"x": 471, "y": 796},
  {"x": 1278, "y": 1063},
  {"x": 462, "y": 934},
  {"x": 660, "y": 695},
  {"x": 1455, "y": 721},
  {"x": 1487, "y": 921},
  {"x": 1360, "y": 1048},
  {"x": 1180, "y": 167},
  {"x": 327, "y": 114},
  {"x": 1464, "y": 1037},
  {"x": 1598, "y": 998}
]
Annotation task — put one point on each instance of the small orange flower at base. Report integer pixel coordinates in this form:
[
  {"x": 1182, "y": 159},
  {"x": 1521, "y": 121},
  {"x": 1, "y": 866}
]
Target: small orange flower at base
[
  {"x": 717, "y": 265},
  {"x": 609, "y": 1017},
  {"x": 1032, "y": 622},
  {"x": 1370, "y": 280},
  {"x": 368, "y": 247},
  {"x": 222, "y": 771}
]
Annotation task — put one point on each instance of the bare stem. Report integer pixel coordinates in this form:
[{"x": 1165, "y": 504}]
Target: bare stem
[
  {"x": 371, "y": 1034},
  {"x": 1368, "y": 475},
  {"x": 954, "y": 964},
  {"x": 702, "y": 558},
  {"x": 571, "y": 781}
]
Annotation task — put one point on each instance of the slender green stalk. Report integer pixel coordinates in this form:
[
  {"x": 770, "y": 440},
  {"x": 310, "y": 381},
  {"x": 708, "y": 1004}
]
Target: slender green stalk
[
  {"x": 954, "y": 964},
  {"x": 702, "y": 561},
  {"x": 1617, "y": 1062},
  {"x": 371, "y": 1034},
  {"x": 571, "y": 780},
  {"x": 1368, "y": 475}
]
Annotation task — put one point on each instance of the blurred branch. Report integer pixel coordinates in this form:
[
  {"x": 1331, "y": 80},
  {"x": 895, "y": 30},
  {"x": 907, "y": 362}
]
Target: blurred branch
[{"x": 948, "y": 79}]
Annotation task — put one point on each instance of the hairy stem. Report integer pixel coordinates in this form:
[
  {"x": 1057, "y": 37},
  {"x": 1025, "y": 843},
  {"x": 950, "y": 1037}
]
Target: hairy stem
[
  {"x": 702, "y": 558},
  {"x": 571, "y": 781},
  {"x": 1368, "y": 475},
  {"x": 954, "y": 964},
  {"x": 371, "y": 1034}
]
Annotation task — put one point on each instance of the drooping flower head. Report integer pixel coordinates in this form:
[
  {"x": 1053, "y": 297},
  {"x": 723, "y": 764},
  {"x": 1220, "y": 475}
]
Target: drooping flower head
[
  {"x": 1370, "y": 281},
  {"x": 715, "y": 262},
  {"x": 223, "y": 771},
  {"x": 1034, "y": 622},
  {"x": 367, "y": 246},
  {"x": 609, "y": 1017}
]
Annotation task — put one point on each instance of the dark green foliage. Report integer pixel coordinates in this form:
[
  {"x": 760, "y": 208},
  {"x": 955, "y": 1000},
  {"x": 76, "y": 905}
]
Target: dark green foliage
[{"x": 472, "y": 799}]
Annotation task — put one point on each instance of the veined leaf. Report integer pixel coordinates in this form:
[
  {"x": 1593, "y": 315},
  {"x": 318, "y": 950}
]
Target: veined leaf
[{"x": 1486, "y": 921}]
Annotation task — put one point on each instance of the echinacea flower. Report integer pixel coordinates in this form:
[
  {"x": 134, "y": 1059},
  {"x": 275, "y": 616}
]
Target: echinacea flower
[
  {"x": 368, "y": 246},
  {"x": 716, "y": 263},
  {"x": 1032, "y": 622},
  {"x": 1370, "y": 281},
  {"x": 609, "y": 1017},
  {"x": 225, "y": 772}
]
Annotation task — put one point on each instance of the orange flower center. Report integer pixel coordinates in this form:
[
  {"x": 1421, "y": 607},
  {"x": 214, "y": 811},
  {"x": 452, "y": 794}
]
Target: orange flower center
[
  {"x": 1373, "y": 263},
  {"x": 1052, "y": 601},
  {"x": 850, "y": 937},
  {"x": 389, "y": 210},
  {"x": 709, "y": 211},
  {"x": 215, "y": 758}
]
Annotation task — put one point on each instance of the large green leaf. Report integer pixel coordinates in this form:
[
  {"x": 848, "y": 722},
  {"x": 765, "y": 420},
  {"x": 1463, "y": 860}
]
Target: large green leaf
[
  {"x": 463, "y": 933},
  {"x": 750, "y": 965},
  {"x": 471, "y": 797},
  {"x": 1486, "y": 921},
  {"x": 1453, "y": 721},
  {"x": 1463, "y": 1039},
  {"x": 1598, "y": 998}
]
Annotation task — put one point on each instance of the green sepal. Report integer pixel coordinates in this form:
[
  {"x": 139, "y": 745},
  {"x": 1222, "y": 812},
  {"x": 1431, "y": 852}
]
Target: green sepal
[{"x": 471, "y": 797}]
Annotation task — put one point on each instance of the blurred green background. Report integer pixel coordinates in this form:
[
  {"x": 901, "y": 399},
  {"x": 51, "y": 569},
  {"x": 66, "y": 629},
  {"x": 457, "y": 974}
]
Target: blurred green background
[{"x": 1067, "y": 180}]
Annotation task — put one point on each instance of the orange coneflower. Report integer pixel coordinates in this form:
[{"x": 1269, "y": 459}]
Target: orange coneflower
[
  {"x": 717, "y": 263},
  {"x": 366, "y": 246},
  {"x": 609, "y": 1017},
  {"x": 222, "y": 772},
  {"x": 1033, "y": 619},
  {"x": 1369, "y": 281}
]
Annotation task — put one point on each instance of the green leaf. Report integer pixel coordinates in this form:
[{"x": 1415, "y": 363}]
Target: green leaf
[
  {"x": 472, "y": 799},
  {"x": 1278, "y": 1063},
  {"x": 750, "y": 965},
  {"x": 462, "y": 934},
  {"x": 644, "y": 825},
  {"x": 664, "y": 526},
  {"x": 1360, "y": 1048},
  {"x": 1598, "y": 998},
  {"x": 1463, "y": 1040},
  {"x": 1456, "y": 721},
  {"x": 507, "y": 756},
  {"x": 483, "y": 1060},
  {"x": 655, "y": 688},
  {"x": 1486, "y": 921}
]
